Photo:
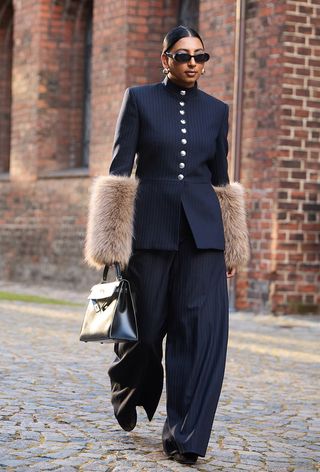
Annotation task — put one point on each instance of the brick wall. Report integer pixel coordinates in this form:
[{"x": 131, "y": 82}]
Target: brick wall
[
  {"x": 43, "y": 216},
  {"x": 217, "y": 26},
  {"x": 6, "y": 41},
  {"x": 260, "y": 146},
  {"x": 279, "y": 144},
  {"x": 42, "y": 231},
  {"x": 280, "y": 156},
  {"x": 24, "y": 113},
  {"x": 127, "y": 47},
  {"x": 297, "y": 250},
  {"x": 43, "y": 219}
]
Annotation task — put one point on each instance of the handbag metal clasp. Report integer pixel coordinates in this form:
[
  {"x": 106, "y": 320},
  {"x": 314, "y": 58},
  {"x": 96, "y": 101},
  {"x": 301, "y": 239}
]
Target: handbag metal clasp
[{"x": 96, "y": 306}]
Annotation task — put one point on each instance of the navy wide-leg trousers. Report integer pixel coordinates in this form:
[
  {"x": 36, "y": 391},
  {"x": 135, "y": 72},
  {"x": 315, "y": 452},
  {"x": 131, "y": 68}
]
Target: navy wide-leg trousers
[{"x": 181, "y": 294}]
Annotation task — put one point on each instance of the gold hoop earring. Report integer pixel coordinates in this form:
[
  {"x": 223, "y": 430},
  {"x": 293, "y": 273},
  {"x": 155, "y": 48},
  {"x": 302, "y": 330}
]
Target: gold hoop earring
[{"x": 166, "y": 70}]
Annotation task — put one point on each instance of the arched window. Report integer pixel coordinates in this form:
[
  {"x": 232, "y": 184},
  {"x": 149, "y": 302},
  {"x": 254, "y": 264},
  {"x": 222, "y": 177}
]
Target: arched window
[
  {"x": 66, "y": 79},
  {"x": 6, "y": 56}
]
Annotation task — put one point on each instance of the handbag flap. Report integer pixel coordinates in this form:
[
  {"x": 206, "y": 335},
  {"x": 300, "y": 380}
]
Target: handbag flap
[{"x": 105, "y": 290}]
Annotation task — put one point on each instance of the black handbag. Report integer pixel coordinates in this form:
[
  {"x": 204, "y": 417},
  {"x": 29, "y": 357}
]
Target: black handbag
[{"x": 111, "y": 313}]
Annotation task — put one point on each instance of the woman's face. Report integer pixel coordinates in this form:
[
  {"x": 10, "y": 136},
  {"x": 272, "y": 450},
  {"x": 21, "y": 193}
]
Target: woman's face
[{"x": 184, "y": 74}]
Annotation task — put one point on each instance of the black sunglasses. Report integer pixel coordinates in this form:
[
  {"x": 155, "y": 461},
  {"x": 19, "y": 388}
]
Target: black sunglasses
[{"x": 184, "y": 57}]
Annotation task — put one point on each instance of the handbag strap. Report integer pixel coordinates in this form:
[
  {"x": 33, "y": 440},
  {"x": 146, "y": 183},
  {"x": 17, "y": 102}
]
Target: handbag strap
[{"x": 106, "y": 270}]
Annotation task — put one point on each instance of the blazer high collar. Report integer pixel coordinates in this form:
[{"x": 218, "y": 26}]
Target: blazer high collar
[{"x": 178, "y": 90}]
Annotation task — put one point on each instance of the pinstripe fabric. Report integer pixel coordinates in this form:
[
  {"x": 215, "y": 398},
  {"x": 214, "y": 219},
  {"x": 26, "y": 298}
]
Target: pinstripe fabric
[
  {"x": 177, "y": 267},
  {"x": 157, "y": 123},
  {"x": 182, "y": 294}
]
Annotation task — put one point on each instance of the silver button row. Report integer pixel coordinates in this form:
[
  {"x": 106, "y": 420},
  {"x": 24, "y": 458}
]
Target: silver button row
[{"x": 183, "y": 140}]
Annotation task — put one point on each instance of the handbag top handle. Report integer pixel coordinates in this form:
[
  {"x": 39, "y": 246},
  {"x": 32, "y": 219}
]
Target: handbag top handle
[{"x": 106, "y": 270}]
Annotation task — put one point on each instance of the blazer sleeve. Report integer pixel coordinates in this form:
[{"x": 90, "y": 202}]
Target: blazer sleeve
[
  {"x": 219, "y": 167},
  {"x": 126, "y": 136}
]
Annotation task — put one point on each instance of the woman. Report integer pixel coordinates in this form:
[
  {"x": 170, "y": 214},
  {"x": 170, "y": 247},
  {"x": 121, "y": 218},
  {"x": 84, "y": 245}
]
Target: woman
[{"x": 175, "y": 260}]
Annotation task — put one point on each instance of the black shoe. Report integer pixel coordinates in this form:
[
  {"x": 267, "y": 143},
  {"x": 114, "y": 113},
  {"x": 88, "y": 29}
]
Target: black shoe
[
  {"x": 184, "y": 458},
  {"x": 127, "y": 421}
]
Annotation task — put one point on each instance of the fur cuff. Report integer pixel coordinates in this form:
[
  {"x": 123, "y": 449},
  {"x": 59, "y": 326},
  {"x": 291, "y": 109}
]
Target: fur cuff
[
  {"x": 110, "y": 221},
  {"x": 232, "y": 202}
]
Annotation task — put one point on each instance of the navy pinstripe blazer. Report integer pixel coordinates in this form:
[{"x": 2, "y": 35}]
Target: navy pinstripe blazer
[{"x": 180, "y": 139}]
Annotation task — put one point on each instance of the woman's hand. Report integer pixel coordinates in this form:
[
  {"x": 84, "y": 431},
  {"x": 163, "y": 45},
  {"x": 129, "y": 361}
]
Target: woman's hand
[{"x": 231, "y": 272}]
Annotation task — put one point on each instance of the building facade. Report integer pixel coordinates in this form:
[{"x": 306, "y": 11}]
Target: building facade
[{"x": 64, "y": 65}]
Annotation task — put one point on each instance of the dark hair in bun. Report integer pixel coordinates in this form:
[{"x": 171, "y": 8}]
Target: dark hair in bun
[{"x": 177, "y": 33}]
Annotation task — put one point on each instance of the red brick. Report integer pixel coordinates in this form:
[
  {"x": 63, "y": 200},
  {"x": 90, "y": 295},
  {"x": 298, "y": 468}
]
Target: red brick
[{"x": 281, "y": 57}]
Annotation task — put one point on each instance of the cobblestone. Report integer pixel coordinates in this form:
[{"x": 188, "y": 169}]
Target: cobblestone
[{"x": 55, "y": 405}]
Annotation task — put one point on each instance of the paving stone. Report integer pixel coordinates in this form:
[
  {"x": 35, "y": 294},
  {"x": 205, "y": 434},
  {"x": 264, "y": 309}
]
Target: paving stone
[{"x": 56, "y": 414}]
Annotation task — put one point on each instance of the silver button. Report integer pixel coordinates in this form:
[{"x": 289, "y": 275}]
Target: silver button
[
  {"x": 182, "y": 104},
  {"x": 183, "y": 130},
  {"x": 181, "y": 112},
  {"x": 182, "y": 165},
  {"x": 183, "y": 153},
  {"x": 184, "y": 141},
  {"x": 183, "y": 122},
  {"x": 180, "y": 176},
  {"x": 182, "y": 92}
]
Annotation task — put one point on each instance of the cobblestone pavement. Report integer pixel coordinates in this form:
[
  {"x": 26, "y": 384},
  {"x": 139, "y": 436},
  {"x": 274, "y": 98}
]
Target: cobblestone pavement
[{"x": 56, "y": 411}]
